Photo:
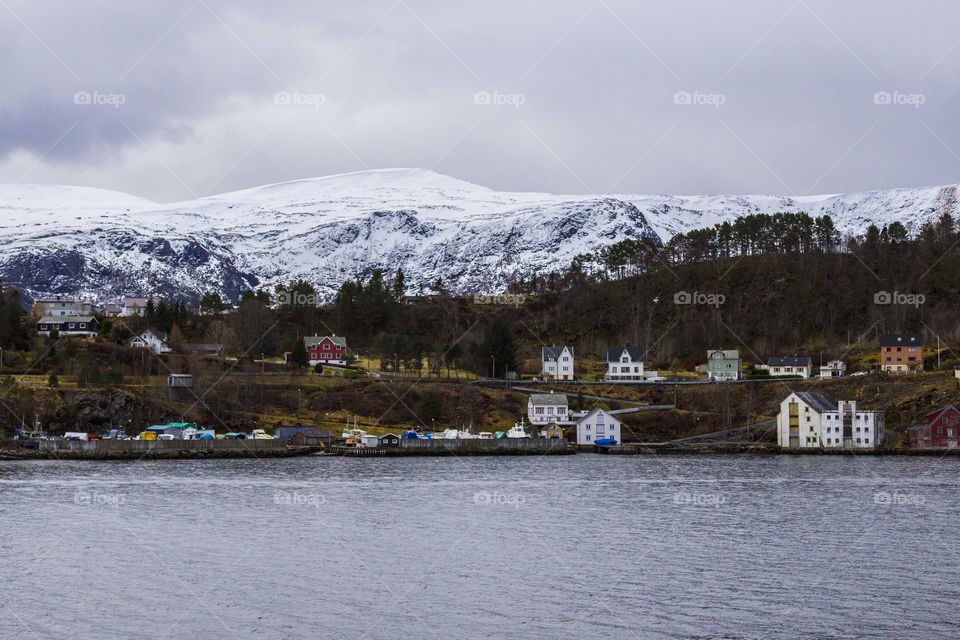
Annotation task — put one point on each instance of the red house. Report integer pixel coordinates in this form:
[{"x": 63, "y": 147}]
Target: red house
[
  {"x": 326, "y": 349},
  {"x": 940, "y": 432}
]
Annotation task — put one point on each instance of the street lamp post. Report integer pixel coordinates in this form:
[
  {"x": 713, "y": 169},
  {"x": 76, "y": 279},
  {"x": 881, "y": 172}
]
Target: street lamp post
[{"x": 493, "y": 371}]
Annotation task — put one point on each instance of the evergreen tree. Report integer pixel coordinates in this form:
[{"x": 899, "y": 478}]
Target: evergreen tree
[
  {"x": 299, "y": 355},
  {"x": 399, "y": 285}
]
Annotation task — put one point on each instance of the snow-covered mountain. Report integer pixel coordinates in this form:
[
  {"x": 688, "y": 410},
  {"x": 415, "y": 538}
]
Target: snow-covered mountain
[{"x": 104, "y": 244}]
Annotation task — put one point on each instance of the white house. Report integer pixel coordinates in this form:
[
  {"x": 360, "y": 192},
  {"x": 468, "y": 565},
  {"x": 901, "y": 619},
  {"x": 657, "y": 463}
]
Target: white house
[
  {"x": 833, "y": 369},
  {"x": 64, "y": 307},
  {"x": 557, "y": 363},
  {"x": 155, "y": 341},
  {"x": 848, "y": 428},
  {"x": 544, "y": 408},
  {"x": 598, "y": 425},
  {"x": 809, "y": 421},
  {"x": 626, "y": 363},
  {"x": 795, "y": 367}
]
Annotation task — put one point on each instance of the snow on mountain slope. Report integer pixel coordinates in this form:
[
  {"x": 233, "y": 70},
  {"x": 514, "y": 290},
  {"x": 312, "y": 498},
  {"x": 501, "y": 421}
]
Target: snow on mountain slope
[{"x": 75, "y": 240}]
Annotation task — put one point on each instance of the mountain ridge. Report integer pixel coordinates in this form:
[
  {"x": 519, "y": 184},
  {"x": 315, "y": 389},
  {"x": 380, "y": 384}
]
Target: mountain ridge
[{"x": 68, "y": 240}]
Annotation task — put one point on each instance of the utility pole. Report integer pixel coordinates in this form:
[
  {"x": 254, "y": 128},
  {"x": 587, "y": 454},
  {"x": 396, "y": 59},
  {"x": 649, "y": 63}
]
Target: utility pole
[
  {"x": 938, "y": 355},
  {"x": 493, "y": 371}
]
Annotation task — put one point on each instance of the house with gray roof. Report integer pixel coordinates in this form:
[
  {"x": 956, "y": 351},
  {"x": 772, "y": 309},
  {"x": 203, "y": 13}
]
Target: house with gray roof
[
  {"x": 68, "y": 325},
  {"x": 807, "y": 420},
  {"x": 793, "y": 367},
  {"x": 544, "y": 408},
  {"x": 557, "y": 363},
  {"x": 626, "y": 363}
]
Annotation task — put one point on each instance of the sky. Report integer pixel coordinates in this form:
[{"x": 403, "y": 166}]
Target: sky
[{"x": 181, "y": 99}]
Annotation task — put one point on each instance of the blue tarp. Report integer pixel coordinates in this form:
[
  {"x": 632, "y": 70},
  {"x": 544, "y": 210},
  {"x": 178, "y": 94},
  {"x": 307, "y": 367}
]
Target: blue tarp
[
  {"x": 605, "y": 442},
  {"x": 410, "y": 435}
]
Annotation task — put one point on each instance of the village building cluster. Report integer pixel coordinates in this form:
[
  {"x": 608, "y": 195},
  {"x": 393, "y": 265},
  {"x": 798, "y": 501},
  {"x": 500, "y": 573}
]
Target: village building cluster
[{"x": 806, "y": 420}]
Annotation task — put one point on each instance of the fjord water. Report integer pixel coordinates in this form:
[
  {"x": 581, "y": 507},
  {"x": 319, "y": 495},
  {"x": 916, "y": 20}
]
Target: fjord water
[{"x": 552, "y": 547}]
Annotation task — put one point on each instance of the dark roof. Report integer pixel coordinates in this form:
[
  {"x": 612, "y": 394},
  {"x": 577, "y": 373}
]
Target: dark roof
[
  {"x": 901, "y": 339},
  {"x": 554, "y": 352},
  {"x": 816, "y": 400},
  {"x": 312, "y": 433},
  {"x": 389, "y": 435},
  {"x": 795, "y": 361},
  {"x": 637, "y": 354},
  {"x": 64, "y": 319}
]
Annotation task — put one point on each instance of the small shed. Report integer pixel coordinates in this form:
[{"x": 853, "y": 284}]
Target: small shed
[
  {"x": 286, "y": 433},
  {"x": 311, "y": 438},
  {"x": 389, "y": 440},
  {"x": 369, "y": 441},
  {"x": 180, "y": 380}
]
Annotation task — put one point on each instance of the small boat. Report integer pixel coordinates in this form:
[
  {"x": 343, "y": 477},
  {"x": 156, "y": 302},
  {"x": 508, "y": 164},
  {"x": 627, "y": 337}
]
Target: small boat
[
  {"x": 352, "y": 436},
  {"x": 485, "y": 435},
  {"x": 260, "y": 434},
  {"x": 517, "y": 431},
  {"x": 457, "y": 434},
  {"x": 605, "y": 442}
]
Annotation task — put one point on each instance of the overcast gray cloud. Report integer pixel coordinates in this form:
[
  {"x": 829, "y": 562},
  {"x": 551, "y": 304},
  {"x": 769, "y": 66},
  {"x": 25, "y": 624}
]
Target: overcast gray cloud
[{"x": 176, "y": 99}]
